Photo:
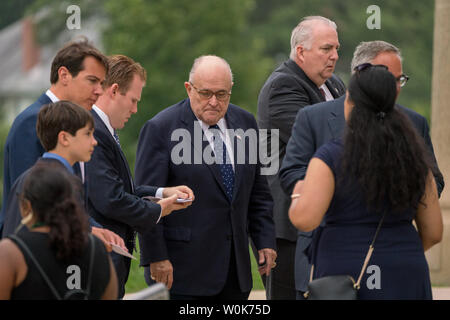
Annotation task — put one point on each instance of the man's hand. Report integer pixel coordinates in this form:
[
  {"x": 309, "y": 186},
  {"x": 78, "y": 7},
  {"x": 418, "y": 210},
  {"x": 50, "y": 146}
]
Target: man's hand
[
  {"x": 170, "y": 204},
  {"x": 182, "y": 192},
  {"x": 266, "y": 260},
  {"x": 108, "y": 237},
  {"x": 162, "y": 271}
]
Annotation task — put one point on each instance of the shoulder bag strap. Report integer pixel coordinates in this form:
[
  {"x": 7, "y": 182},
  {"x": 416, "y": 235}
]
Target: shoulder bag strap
[
  {"x": 38, "y": 266},
  {"x": 369, "y": 252}
]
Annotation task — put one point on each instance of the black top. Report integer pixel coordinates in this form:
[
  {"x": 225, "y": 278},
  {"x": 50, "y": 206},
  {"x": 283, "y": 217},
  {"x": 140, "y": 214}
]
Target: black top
[{"x": 64, "y": 276}]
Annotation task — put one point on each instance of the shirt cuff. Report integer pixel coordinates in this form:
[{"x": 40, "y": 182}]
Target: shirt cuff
[{"x": 159, "y": 193}]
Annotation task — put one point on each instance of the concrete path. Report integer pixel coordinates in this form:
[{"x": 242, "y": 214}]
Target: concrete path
[{"x": 441, "y": 293}]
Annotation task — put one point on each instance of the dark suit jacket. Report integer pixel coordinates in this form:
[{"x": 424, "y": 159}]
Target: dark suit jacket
[
  {"x": 314, "y": 126},
  {"x": 285, "y": 92},
  {"x": 198, "y": 240},
  {"x": 22, "y": 147},
  {"x": 113, "y": 199}
]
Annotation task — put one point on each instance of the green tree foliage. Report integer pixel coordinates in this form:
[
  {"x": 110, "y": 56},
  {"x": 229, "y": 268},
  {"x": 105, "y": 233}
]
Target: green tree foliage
[{"x": 166, "y": 36}]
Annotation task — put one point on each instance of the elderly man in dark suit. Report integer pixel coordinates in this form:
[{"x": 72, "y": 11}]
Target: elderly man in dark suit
[
  {"x": 76, "y": 75},
  {"x": 306, "y": 78},
  {"x": 113, "y": 198},
  {"x": 320, "y": 123},
  {"x": 204, "y": 253}
]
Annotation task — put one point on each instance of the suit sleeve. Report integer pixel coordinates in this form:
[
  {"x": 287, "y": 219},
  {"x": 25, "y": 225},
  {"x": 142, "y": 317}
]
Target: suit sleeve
[
  {"x": 24, "y": 148},
  {"x": 286, "y": 97},
  {"x": 152, "y": 166},
  {"x": 260, "y": 212},
  {"x": 436, "y": 172},
  {"x": 108, "y": 195},
  {"x": 299, "y": 152}
]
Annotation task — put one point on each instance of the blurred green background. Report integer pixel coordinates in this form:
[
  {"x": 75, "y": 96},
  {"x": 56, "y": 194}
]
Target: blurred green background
[{"x": 165, "y": 36}]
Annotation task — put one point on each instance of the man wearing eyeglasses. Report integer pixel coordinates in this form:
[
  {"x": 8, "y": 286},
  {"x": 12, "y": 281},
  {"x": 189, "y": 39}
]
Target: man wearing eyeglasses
[
  {"x": 204, "y": 252},
  {"x": 322, "y": 122}
]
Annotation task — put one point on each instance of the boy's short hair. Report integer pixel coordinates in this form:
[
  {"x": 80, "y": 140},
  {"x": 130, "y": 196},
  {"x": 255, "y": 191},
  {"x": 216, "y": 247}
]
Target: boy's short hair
[
  {"x": 121, "y": 70},
  {"x": 60, "y": 116}
]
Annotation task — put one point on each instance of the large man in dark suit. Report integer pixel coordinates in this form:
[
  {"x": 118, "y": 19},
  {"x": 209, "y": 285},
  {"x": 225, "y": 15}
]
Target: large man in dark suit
[
  {"x": 320, "y": 123},
  {"x": 203, "y": 253},
  {"x": 76, "y": 75},
  {"x": 113, "y": 198},
  {"x": 306, "y": 78}
]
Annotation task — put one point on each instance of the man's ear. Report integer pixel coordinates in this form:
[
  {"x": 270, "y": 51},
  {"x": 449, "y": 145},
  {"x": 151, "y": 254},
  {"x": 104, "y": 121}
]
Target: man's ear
[
  {"x": 114, "y": 90},
  {"x": 300, "y": 50},
  {"x": 188, "y": 87},
  {"x": 64, "y": 75}
]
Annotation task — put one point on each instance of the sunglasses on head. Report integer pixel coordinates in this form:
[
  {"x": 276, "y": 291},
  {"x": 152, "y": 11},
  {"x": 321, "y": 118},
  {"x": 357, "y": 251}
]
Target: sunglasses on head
[{"x": 402, "y": 79}]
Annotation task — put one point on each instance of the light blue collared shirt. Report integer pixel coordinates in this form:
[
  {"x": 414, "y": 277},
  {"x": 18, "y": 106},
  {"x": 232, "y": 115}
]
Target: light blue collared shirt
[{"x": 55, "y": 156}]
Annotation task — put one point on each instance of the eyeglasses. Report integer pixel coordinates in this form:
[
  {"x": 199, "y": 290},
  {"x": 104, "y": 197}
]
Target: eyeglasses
[
  {"x": 206, "y": 94},
  {"x": 401, "y": 80}
]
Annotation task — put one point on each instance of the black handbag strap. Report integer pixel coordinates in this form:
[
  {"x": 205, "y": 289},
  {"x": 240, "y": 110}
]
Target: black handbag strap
[{"x": 44, "y": 274}]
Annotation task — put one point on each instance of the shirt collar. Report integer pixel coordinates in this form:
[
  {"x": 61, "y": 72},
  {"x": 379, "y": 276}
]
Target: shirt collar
[
  {"x": 52, "y": 96},
  {"x": 221, "y": 123},
  {"x": 104, "y": 118},
  {"x": 50, "y": 155}
]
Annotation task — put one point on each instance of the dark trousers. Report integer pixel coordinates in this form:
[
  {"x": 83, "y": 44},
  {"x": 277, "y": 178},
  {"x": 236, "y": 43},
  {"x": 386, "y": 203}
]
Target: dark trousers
[
  {"x": 122, "y": 265},
  {"x": 231, "y": 290},
  {"x": 280, "y": 284}
]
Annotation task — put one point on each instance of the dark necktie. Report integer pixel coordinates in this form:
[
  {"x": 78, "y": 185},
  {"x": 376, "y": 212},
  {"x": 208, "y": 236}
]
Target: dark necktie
[
  {"x": 222, "y": 158},
  {"x": 323, "y": 94}
]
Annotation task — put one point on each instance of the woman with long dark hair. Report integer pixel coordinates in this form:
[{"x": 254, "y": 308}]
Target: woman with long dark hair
[
  {"x": 55, "y": 257},
  {"x": 380, "y": 168}
]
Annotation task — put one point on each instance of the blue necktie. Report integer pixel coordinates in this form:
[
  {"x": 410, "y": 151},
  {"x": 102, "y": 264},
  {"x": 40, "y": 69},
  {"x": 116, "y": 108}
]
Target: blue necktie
[
  {"x": 116, "y": 137},
  {"x": 226, "y": 168}
]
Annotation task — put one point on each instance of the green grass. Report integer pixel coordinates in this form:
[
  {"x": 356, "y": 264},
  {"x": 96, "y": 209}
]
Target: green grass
[{"x": 136, "y": 279}]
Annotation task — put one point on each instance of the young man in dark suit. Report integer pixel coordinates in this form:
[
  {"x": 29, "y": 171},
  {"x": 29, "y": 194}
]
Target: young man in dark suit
[
  {"x": 203, "y": 253},
  {"x": 77, "y": 72},
  {"x": 320, "y": 123},
  {"x": 113, "y": 198},
  {"x": 306, "y": 78}
]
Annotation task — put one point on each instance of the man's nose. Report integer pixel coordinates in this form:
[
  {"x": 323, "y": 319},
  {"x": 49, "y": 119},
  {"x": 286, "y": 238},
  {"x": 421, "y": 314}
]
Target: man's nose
[
  {"x": 213, "y": 100},
  {"x": 334, "y": 55}
]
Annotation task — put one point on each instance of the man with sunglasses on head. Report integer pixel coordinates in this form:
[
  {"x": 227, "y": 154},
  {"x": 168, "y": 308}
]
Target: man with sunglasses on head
[
  {"x": 322, "y": 122},
  {"x": 203, "y": 254}
]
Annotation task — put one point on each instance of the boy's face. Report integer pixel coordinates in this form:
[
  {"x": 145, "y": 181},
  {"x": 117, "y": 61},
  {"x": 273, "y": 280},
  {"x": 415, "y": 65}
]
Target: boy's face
[{"x": 82, "y": 144}]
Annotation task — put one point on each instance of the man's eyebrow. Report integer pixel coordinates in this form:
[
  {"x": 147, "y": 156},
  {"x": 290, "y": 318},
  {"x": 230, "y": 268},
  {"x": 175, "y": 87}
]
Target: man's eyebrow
[{"x": 91, "y": 76}]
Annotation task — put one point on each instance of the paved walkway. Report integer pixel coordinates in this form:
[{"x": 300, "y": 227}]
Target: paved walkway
[{"x": 441, "y": 293}]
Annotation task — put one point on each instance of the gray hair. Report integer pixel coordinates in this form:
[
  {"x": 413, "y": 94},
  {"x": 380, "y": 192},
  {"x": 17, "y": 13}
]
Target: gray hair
[
  {"x": 303, "y": 33},
  {"x": 365, "y": 52},
  {"x": 201, "y": 59}
]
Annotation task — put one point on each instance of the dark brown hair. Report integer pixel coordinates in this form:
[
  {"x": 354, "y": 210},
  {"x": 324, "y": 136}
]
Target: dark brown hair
[
  {"x": 60, "y": 116},
  {"x": 72, "y": 57},
  {"x": 51, "y": 191},
  {"x": 382, "y": 149},
  {"x": 121, "y": 70}
]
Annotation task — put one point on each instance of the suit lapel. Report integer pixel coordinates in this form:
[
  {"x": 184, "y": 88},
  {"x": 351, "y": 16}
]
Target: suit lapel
[
  {"x": 195, "y": 135},
  {"x": 102, "y": 127}
]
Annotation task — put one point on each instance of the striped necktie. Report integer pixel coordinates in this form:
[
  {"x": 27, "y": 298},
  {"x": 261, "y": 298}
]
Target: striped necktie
[{"x": 116, "y": 137}]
